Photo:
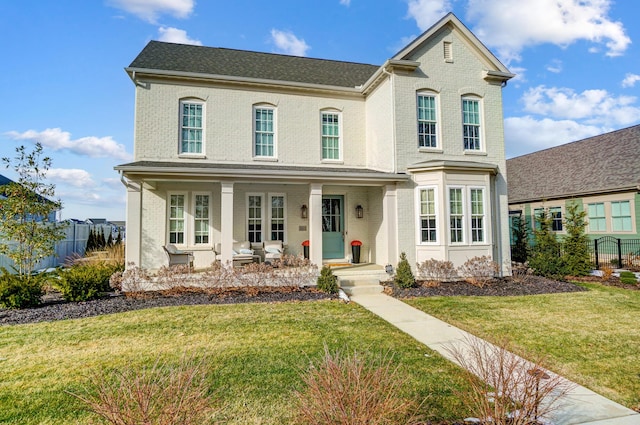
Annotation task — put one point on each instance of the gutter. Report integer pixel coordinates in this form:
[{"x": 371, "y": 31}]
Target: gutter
[{"x": 605, "y": 191}]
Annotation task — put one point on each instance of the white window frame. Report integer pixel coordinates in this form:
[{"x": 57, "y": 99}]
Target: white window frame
[
  {"x": 483, "y": 215},
  {"x": 436, "y": 122},
  {"x": 478, "y": 100},
  {"x": 597, "y": 217},
  {"x": 462, "y": 216},
  {"x": 262, "y": 219},
  {"x": 185, "y": 218},
  {"x": 270, "y": 216},
  {"x": 613, "y": 217},
  {"x": 420, "y": 216},
  {"x": 191, "y": 101},
  {"x": 194, "y": 218},
  {"x": 274, "y": 131},
  {"x": 339, "y": 137}
]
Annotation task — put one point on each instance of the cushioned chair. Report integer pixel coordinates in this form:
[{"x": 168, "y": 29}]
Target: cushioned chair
[
  {"x": 242, "y": 253},
  {"x": 273, "y": 251},
  {"x": 178, "y": 256}
]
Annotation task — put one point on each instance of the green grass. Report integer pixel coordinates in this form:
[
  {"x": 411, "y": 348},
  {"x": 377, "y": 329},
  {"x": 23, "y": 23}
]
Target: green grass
[
  {"x": 255, "y": 352},
  {"x": 592, "y": 338}
]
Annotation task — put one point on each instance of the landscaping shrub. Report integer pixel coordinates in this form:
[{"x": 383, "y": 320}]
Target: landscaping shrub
[
  {"x": 505, "y": 389},
  {"x": 20, "y": 291},
  {"x": 404, "y": 276},
  {"x": 349, "y": 389},
  {"x": 520, "y": 247},
  {"x": 545, "y": 258},
  {"x": 83, "y": 282},
  {"x": 575, "y": 247},
  {"x": 162, "y": 395},
  {"x": 327, "y": 281},
  {"x": 436, "y": 270},
  {"x": 628, "y": 278},
  {"x": 478, "y": 271}
]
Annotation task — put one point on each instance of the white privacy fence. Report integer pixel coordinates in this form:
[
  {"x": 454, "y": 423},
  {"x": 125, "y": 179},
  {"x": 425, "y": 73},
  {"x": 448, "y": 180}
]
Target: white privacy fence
[{"x": 75, "y": 241}]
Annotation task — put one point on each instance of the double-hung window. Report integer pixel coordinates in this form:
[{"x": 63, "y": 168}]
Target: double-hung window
[
  {"x": 456, "y": 215},
  {"x": 597, "y": 217},
  {"x": 191, "y": 127},
  {"x": 201, "y": 219},
  {"x": 621, "y": 216},
  {"x": 427, "y": 121},
  {"x": 477, "y": 215},
  {"x": 264, "y": 132},
  {"x": 428, "y": 225},
  {"x": 471, "y": 124},
  {"x": 176, "y": 218},
  {"x": 277, "y": 217},
  {"x": 254, "y": 218},
  {"x": 330, "y": 136},
  {"x": 556, "y": 218}
]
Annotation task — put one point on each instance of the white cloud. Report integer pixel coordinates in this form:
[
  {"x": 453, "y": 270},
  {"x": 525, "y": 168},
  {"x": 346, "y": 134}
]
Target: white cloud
[
  {"x": 93, "y": 147},
  {"x": 288, "y": 43},
  {"x": 591, "y": 106},
  {"x": 630, "y": 80},
  {"x": 175, "y": 35},
  {"x": 428, "y": 12},
  {"x": 527, "y": 134},
  {"x": 509, "y": 26},
  {"x": 149, "y": 10},
  {"x": 345, "y": 2},
  {"x": 70, "y": 176},
  {"x": 555, "y": 66}
]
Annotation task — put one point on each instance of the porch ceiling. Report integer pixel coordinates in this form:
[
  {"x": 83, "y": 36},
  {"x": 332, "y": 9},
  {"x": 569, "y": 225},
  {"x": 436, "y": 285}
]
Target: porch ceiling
[{"x": 205, "y": 171}]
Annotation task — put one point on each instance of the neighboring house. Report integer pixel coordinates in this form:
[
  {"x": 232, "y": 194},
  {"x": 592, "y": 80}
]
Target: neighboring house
[
  {"x": 601, "y": 174},
  {"x": 52, "y": 216},
  {"x": 407, "y": 156}
]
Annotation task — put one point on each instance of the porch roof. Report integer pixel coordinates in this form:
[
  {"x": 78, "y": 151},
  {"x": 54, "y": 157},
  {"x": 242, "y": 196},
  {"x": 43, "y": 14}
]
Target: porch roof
[{"x": 192, "y": 171}]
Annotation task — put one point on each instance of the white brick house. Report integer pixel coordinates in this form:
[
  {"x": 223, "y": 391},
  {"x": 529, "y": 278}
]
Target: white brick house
[{"x": 234, "y": 145}]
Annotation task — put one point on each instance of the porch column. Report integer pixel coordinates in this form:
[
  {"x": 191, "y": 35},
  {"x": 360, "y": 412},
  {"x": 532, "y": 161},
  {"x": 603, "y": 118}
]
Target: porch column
[
  {"x": 134, "y": 223},
  {"x": 226, "y": 222},
  {"x": 315, "y": 224},
  {"x": 390, "y": 222}
]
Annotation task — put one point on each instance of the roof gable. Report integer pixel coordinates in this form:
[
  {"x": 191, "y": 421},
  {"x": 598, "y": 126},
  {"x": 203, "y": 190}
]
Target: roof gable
[
  {"x": 606, "y": 163},
  {"x": 451, "y": 21}
]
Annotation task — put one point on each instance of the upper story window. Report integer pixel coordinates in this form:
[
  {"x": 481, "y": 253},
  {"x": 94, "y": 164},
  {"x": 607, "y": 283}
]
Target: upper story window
[
  {"x": 471, "y": 124},
  {"x": 191, "y": 127},
  {"x": 427, "y": 121},
  {"x": 621, "y": 216},
  {"x": 331, "y": 146},
  {"x": 264, "y": 132}
]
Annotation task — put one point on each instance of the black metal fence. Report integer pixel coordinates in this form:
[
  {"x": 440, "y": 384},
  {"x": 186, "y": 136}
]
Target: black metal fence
[{"x": 614, "y": 252}]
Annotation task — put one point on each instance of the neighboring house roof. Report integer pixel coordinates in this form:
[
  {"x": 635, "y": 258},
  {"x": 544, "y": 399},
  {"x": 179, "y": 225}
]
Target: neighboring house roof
[
  {"x": 262, "y": 171},
  {"x": 97, "y": 221},
  {"x": 213, "y": 61},
  {"x": 606, "y": 163}
]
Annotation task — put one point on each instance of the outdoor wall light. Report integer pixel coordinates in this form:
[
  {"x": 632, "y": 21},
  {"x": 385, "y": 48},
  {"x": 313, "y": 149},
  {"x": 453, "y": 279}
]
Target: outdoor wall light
[
  {"x": 304, "y": 211},
  {"x": 359, "y": 211}
]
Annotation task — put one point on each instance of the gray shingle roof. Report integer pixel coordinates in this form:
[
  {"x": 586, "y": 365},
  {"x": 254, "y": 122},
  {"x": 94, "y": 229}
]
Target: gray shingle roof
[
  {"x": 600, "y": 164},
  {"x": 240, "y": 63}
]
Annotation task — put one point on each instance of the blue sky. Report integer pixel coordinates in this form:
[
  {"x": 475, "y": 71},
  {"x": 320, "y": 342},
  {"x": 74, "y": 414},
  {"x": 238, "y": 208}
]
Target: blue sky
[{"x": 62, "y": 79}]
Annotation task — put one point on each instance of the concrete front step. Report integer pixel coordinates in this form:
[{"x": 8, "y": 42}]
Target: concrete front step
[{"x": 361, "y": 281}]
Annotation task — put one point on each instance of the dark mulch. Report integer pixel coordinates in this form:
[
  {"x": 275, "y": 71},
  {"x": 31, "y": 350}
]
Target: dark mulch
[
  {"x": 56, "y": 309},
  {"x": 533, "y": 285}
]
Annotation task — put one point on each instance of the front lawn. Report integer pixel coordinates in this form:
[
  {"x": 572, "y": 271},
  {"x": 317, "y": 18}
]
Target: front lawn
[
  {"x": 590, "y": 337},
  {"x": 255, "y": 352}
]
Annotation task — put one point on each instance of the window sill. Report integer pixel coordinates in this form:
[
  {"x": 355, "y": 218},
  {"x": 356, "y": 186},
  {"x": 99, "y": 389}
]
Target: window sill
[
  {"x": 475, "y": 153},
  {"x": 192, "y": 156},
  {"x": 430, "y": 150},
  {"x": 332, "y": 161},
  {"x": 265, "y": 158}
]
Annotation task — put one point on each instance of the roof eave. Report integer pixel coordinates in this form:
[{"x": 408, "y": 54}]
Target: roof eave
[{"x": 573, "y": 195}]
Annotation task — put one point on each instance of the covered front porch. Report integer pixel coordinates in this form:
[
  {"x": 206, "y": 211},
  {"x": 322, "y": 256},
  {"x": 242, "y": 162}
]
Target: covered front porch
[{"x": 324, "y": 208}]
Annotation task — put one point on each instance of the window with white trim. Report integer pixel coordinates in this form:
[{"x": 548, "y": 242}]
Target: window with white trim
[
  {"x": 191, "y": 127},
  {"x": 427, "y": 121},
  {"x": 254, "y": 218},
  {"x": 277, "y": 217},
  {"x": 621, "y": 216},
  {"x": 456, "y": 215},
  {"x": 427, "y": 215},
  {"x": 201, "y": 219},
  {"x": 471, "y": 123},
  {"x": 331, "y": 136},
  {"x": 264, "y": 132},
  {"x": 477, "y": 215},
  {"x": 176, "y": 218},
  {"x": 597, "y": 217},
  {"x": 556, "y": 218}
]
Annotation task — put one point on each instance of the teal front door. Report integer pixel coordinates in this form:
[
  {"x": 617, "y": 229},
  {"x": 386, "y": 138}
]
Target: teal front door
[{"x": 332, "y": 226}]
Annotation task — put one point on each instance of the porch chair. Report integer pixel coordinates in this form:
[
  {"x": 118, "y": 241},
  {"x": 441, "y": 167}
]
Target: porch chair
[
  {"x": 272, "y": 251},
  {"x": 242, "y": 253},
  {"x": 178, "y": 257}
]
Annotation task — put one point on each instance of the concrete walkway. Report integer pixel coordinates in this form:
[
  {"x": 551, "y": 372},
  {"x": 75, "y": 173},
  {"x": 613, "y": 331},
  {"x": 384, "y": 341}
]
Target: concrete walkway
[{"x": 580, "y": 406}]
